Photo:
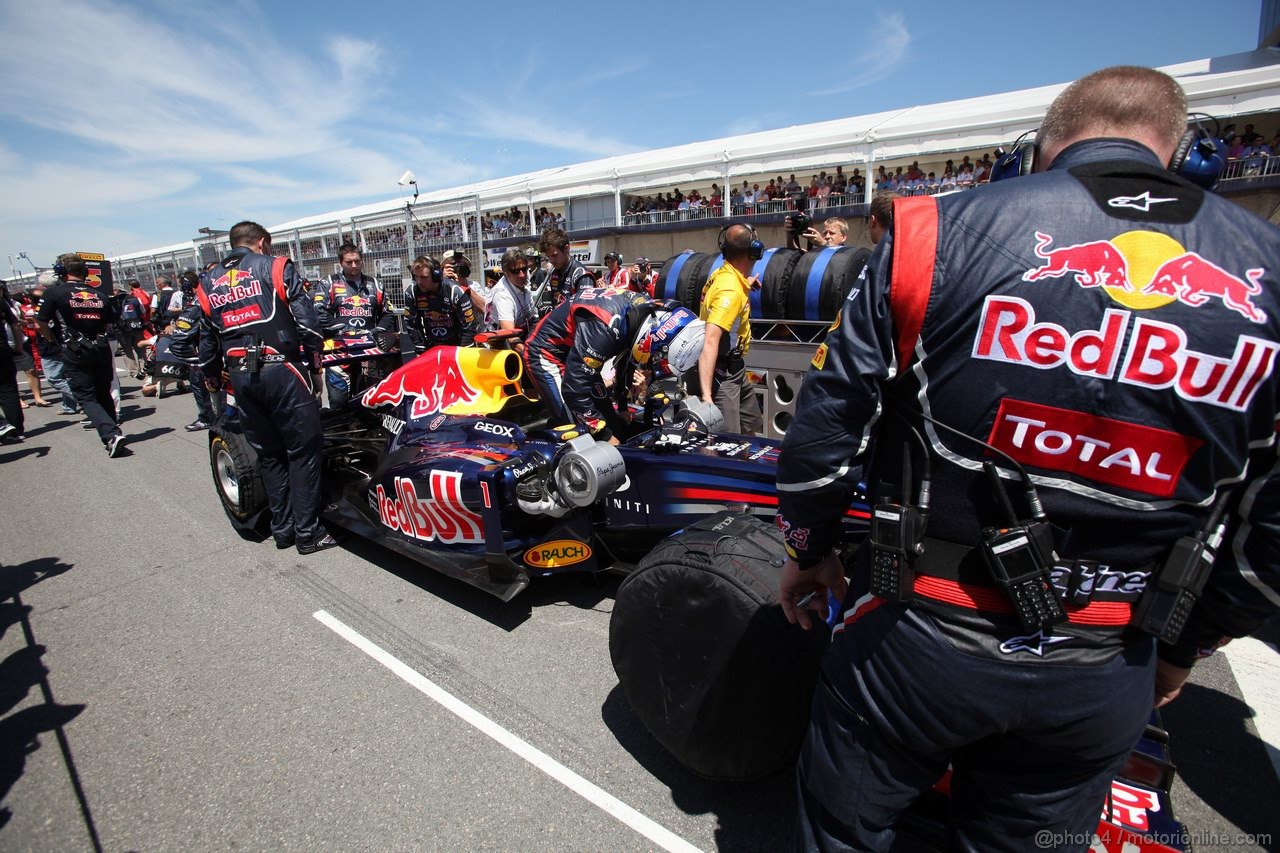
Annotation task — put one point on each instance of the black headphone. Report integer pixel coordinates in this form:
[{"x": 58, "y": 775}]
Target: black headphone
[
  {"x": 756, "y": 249},
  {"x": 1196, "y": 158},
  {"x": 437, "y": 273},
  {"x": 59, "y": 269}
]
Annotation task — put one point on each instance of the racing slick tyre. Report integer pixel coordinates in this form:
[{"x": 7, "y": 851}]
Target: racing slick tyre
[
  {"x": 238, "y": 480},
  {"x": 821, "y": 281},
  {"x": 706, "y": 658},
  {"x": 775, "y": 273},
  {"x": 683, "y": 276}
]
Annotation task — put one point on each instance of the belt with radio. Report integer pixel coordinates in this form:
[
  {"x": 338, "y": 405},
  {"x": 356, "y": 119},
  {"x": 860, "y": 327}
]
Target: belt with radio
[{"x": 1019, "y": 553}]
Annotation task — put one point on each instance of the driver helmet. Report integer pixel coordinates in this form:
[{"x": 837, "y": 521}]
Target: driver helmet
[{"x": 669, "y": 342}]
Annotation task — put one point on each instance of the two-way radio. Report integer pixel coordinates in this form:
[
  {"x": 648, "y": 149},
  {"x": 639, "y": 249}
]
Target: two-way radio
[
  {"x": 897, "y": 531},
  {"x": 1177, "y": 585},
  {"x": 1018, "y": 555}
]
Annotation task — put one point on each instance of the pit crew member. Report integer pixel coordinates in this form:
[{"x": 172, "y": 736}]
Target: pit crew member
[
  {"x": 353, "y": 304},
  {"x": 615, "y": 274},
  {"x": 440, "y": 311},
  {"x": 571, "y": 346},
  {"x": 1111, "y": 328},
  {"x": 567, "y": 275},
  {"x": 85, "y": 315},
  {"x": 258, "y": 324}
]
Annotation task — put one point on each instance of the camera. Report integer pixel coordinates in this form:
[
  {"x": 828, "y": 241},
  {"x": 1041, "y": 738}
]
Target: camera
[
  {"x": 461, "y": 266},
  {"x": 800, "y": 222}
]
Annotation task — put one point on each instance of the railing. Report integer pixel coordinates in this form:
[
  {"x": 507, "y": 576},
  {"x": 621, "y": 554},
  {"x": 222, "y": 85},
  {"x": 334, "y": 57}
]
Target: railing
[
  {"x": 772, "y": 207},
  {"x": 1250, "y": 169}
]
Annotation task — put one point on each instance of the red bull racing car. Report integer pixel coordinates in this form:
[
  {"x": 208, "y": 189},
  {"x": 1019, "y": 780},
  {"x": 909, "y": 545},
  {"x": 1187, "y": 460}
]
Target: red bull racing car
[{"x": 448, "y": 461}]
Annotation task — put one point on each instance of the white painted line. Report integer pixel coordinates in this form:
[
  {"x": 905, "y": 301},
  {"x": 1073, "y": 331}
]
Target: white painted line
[
  {"x": 1256, "y": 667},
  {"x": 659, "y": 835}
]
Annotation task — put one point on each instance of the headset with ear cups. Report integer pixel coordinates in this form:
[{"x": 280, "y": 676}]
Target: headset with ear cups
[
  {"x": 757, "y": 247},
  {"x": 437, "y": 273},
  {"x": 1197, "y": 157},
  {"x": 1018, "y": 161}
]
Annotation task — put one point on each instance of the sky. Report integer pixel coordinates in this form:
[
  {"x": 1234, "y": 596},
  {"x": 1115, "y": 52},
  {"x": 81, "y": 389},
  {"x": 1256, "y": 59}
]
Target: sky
[{"x": 126, "y": 126}]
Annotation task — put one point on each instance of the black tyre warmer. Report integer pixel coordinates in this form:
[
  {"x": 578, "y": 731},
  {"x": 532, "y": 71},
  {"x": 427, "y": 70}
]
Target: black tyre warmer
[{"x": 705, "y": 656}]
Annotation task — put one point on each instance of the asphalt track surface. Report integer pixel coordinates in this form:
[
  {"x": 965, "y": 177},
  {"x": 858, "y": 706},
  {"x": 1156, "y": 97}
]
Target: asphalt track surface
[{"x": 165, "y": 685}]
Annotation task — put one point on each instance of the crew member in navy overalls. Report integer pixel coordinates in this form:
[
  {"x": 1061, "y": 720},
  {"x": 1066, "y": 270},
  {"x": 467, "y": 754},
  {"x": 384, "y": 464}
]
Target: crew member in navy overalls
[
  {"x": 258, "y": 325},
  {"x": 86, "y": 313},
  {"x": 354, "y": 304},
  {"x": 1086, "y": 357}
]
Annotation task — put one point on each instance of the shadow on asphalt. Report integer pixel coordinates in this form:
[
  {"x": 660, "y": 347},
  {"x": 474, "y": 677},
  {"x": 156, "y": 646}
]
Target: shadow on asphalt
[
  {"x": 14, "y": 452},
  {"x": 22, "y": 671},
  {"x": 579, "y": 591},
  {"x": 51, "y": 426},
  {"x": 751, "y": 815},
  {"x": 1206, "y": 728},
  {"x": 154, "y": 432}
]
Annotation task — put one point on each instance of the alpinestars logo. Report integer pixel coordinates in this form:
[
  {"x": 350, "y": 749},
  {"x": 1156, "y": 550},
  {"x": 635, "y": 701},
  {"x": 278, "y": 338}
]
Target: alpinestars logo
[
  {"x": 1137, "y": 202},
  {"x": 1035, "y": 644}
]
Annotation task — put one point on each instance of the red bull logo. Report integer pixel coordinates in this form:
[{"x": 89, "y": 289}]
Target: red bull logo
[
  {"x": 1145, "y": 269},
  {"x": 440, "y": 516},
  {"x": 235, "y": 293},
  {"x": 1132, "y": 351},
  {"x": 434, "y": 381}
]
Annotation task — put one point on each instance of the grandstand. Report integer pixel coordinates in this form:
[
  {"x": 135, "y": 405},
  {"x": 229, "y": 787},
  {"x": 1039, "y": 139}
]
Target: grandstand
[{"x": 657, "y": 203}]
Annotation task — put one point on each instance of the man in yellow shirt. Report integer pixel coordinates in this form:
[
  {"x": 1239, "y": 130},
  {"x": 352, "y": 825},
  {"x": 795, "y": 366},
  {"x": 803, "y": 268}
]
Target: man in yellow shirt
[{"x": 726, "y": 308}]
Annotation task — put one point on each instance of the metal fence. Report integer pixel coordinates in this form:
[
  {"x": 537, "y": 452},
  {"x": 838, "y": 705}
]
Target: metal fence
[
  {"x": 391, "y": 240},
  {"x": 1250, "y": 169}
]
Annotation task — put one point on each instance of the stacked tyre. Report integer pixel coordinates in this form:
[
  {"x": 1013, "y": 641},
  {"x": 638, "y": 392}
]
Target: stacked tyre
[{"x": 794, "y": 285}]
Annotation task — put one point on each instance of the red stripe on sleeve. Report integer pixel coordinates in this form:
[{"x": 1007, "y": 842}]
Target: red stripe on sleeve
[{"x": 915, "y": 248}]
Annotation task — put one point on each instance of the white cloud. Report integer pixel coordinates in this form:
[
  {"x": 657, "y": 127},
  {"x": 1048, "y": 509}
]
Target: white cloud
[
  {"x": 169, "y": 115},
  {"x": 888, "y": 42}
]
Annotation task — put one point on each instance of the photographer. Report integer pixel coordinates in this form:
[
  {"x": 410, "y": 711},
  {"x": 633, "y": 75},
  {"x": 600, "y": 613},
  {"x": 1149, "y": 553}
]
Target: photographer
[
  {"x": 643, "y": 277},
  {"x": 458, "y": 268},
  {"x": 799, "y": 226}
]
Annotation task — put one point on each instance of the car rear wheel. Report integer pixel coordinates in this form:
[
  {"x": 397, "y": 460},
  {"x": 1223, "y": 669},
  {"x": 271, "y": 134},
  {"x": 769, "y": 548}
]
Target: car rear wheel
[{"x": 237, "y": 478}]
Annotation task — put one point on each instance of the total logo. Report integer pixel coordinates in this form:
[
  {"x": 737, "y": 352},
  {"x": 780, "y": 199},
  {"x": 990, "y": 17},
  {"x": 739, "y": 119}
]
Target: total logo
[{"x": 1146, "y": 269}]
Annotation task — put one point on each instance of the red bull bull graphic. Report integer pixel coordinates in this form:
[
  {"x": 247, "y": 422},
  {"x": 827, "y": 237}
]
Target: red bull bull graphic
[
  {"x": 232, "y": 278},
  {"x": 451, "y": 380},
  {"x": 1146, "y": 269},
  {"x": 434, "y": 381}
]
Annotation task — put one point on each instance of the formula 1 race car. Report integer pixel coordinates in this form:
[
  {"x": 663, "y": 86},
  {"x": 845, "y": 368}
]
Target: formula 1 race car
[{"x": 449, "y": 461}]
